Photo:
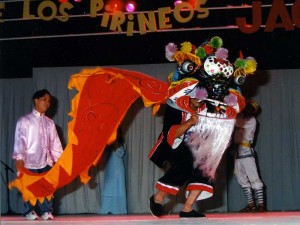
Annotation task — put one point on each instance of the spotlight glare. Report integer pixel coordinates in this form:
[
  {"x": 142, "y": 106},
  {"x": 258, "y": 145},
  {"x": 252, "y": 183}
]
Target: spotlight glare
[
  {"x": 130, "y": 7},
  {"x": 177, "y": 2},
  {"x": 114, "y": 5}
]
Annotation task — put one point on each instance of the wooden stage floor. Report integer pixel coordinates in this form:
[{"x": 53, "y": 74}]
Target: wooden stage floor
[{"x": 272, "y": 218}]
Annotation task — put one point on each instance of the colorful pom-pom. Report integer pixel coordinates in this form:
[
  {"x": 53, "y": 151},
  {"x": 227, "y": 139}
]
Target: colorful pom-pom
[
  {"x": 201, "y": 94},
  {"x": 222, "y": 53},
  {"x": 230, "y": 99},
  {"x": 200, "y": 52},
  {"x": 169, "y": 57},
  {"x": 240, "y": 63},
  {"x": 251, "y": 65},
  {"x": 171, "y": 48},
  {"x": 216, "y": 42},
  {"x": 186, "y": 47},
  {"x": 208, "y": 49}
]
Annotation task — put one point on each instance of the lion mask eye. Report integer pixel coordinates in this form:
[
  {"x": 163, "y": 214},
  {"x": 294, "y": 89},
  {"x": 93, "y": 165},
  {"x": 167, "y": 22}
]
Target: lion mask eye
[
  {"x": 187, "y": 67},
  {"x": 240, "y": 79}
]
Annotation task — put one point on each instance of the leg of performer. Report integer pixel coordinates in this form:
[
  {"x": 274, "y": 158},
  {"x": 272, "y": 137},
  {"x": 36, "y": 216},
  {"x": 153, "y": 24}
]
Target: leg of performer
[
  {"x": 187, "y": 210},
  {"x": 177, "y": 175},
  {"x": 29, "y": 212},
  {"x": 170, "y": 183},
  {"x": 155, "y": 203},
  {"x": 191, "y": 199},
  {"x": 45, "y": 208},
  {"x": 244, "y": 182},
  {"x": 259, "y": 194},
  {"x": 251, "y": 205},
  {"x": 256, "y": 183},
  {"x": 159, "y": 196}
]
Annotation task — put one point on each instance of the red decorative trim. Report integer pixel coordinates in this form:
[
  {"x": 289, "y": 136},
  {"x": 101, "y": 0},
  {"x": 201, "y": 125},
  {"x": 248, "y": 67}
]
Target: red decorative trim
[
  {"x": 158, "y": 142},
  {"x": 167, "y": 188},
  {"x": 183, "y": 103},
  {"x": 202, "y": 107},
  {"x": 199, "y": 186},
  {"x": 171, "y": 134},
  {"x": 231, "y": 112}
]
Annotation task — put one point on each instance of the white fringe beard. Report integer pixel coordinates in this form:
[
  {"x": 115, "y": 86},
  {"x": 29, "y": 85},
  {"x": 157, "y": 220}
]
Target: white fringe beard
[{"x": 208, "y": 140}]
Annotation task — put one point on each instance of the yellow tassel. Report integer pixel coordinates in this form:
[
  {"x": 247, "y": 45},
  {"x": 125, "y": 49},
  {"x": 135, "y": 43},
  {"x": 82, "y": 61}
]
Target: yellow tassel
[
  {"x": 186, "y": 47},
  {"x": 251, "y": 66}
]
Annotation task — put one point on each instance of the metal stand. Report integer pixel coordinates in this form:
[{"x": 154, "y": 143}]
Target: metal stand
[{"x": 7, "y": 168}]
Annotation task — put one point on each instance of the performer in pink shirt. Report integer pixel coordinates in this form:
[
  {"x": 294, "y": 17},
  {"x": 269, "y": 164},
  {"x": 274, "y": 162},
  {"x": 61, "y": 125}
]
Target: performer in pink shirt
[{"x": 37, "y": 147}]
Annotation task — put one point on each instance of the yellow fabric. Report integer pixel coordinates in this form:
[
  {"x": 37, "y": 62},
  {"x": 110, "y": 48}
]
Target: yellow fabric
[{"x": 245, "y": 144}]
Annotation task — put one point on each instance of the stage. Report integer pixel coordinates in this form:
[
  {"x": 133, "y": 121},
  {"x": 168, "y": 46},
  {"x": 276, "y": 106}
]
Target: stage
[{"x": 274, "y": 218}]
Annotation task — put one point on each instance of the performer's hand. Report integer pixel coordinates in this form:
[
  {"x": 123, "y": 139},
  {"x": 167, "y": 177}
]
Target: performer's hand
[
  {"x": 19, "y": 164},
  {"x": 186, "y": 125},
  {"x": 193, "y": 120}
]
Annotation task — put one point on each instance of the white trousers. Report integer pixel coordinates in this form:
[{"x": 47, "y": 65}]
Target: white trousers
[{"x": 245, "y": 170}]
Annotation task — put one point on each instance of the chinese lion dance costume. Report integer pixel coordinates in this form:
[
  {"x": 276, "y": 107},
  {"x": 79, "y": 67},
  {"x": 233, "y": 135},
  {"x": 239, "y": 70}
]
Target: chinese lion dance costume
[
  {"x": 105, "y": 95},
  {"x": 205, "y": 74}
]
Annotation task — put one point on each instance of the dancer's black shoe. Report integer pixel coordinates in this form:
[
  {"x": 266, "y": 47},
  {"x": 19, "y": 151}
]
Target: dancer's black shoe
[
  {"x": 155, "y": 208},
  {"x": 261, "y": 208},
  {"x": 191, "y": 214},
  {"x": 249, "y": 208}
]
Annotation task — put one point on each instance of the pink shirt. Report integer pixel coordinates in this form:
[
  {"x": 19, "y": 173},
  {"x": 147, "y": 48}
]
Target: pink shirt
[{"x": 36, "y": 141}]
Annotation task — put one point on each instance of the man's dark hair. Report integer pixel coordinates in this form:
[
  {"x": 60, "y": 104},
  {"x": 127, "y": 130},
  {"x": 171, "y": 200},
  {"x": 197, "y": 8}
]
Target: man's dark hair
[
  {"x": 251, "y": 109},
  {"x": 40, "y": 93}
]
